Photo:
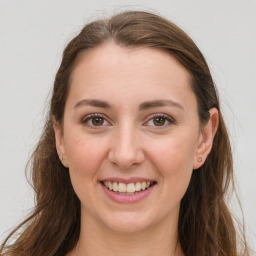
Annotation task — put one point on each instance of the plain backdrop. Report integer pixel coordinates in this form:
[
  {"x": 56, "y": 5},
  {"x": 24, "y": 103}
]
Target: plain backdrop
[{"x": 33, "y": 34}]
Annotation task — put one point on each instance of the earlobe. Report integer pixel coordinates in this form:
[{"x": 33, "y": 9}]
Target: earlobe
[
  {"x": 206, "y": 137},
  {"x": 60, "y": 146}
]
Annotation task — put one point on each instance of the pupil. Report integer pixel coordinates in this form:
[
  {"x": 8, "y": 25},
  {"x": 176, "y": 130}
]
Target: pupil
[
  {"x": 159, "y": 121},
  {"x": 97, "y": 121}
]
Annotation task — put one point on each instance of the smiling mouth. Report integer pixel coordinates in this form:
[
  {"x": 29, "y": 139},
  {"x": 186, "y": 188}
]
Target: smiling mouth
[{"x": 128, "y": 189}]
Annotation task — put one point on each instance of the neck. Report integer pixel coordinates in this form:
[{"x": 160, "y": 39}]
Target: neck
[{"x": 97, "y": 240}]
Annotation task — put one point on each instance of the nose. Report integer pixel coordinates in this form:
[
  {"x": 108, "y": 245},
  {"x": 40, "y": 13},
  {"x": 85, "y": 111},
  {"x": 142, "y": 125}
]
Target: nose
[{"x": 126, "y": 149}]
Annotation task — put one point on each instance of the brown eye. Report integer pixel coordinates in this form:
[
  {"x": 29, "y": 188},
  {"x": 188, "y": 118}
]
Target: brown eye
[
  {"x": 97, "y": 121},
  {"x": 159, "y": 121}
]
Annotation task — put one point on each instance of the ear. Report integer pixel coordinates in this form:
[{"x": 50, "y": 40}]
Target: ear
[
  {"x": 206, "y": 137},
  {"x": 59, "y": 141}
]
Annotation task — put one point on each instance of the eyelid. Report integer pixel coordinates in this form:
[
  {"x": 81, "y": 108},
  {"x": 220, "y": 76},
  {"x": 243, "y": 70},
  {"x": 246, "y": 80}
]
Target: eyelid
[
  {"x": 168, "y": 118},
  {"x": 88, "y": 117}
]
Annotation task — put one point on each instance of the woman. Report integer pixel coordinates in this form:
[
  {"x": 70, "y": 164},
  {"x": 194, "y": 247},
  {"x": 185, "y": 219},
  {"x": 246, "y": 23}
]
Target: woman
[{"x": 134, "y": 158}]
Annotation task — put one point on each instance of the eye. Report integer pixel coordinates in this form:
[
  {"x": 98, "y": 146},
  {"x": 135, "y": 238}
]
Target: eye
[
  {"x": 95, "y": 121},
  {"x": 160, "y": 120}
]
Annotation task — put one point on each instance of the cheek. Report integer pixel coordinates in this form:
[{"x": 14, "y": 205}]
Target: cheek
[
  {"x": 84, "y": 154},
  {"x": 84, "y": 158},
  {"x": 173, "y": 159},
  {"x": 175, "y": 153}
]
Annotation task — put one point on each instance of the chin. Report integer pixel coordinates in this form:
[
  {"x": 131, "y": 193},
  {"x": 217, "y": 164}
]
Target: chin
[{"x": 128, "y": 223}]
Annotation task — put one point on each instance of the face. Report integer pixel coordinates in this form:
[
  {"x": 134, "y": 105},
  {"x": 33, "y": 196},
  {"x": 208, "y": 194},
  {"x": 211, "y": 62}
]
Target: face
[{"x": 131, "y": 136}]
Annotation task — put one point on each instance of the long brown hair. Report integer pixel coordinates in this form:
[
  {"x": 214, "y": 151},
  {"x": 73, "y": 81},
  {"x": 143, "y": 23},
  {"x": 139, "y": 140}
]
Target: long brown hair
[{"x": 205, "y": 225}]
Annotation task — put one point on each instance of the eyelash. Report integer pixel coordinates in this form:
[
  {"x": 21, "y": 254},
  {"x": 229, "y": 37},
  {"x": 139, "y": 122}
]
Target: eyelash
[
  {"x": 90, "y": 117},
  {"x": 167, "y": 118}
]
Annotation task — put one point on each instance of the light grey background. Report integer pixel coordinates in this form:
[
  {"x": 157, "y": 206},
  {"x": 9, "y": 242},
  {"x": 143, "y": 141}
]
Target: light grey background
[{"x": 32, "y": 37}]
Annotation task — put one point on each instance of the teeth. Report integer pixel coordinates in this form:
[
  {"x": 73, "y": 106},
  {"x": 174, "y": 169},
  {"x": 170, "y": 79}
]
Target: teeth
[
  {"x": 115, "y": 186},
  {"x": 110, "y": 185},
  {"x": 130, "y": 188},
  {"x": 127, "y": 188},
  {"x": 121, "y": 187},
  {"x": 138, "y": 186}
]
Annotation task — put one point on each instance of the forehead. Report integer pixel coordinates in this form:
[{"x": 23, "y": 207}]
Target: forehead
[{"x": 111, "y": 71}]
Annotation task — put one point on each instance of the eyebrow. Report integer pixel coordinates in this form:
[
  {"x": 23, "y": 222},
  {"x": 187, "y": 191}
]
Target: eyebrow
[
  {"x": 93, "y": 103},
  {"x": 159, "y": 103},
  {"x": 143, "y": 106}
]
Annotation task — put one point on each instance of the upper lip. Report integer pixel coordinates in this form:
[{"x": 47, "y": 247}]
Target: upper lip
[{"x": 126, "y": 181}]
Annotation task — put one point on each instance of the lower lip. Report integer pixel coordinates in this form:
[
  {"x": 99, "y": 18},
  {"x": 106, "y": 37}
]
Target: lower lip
[{"x": 126, "y": 199}]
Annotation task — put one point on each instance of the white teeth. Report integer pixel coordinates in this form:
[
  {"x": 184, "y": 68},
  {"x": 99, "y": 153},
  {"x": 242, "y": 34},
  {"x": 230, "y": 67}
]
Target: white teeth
[
  {"x": 115, "y": 186},
  {"x": 130, "y": 188},
  {"x": 110, "y": 185},
  {"x": 138, "y": 186},
  {"x": 121, "y": 187}
]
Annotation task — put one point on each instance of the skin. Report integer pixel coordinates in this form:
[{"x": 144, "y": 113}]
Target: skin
[{"x": 129, "y": 142}]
